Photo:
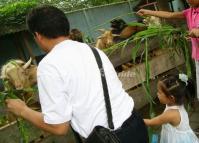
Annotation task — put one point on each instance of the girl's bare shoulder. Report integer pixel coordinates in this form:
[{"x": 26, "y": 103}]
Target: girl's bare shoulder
[{"x": 173, "y": 116}]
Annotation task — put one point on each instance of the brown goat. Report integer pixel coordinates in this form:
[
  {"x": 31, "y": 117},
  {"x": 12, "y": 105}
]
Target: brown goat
[
  {"x": 76, "y": 35},
  {"x": 128, "y": 31},
  {"x": 105, "y": 40},
  {"x": 120, "y": 27}
]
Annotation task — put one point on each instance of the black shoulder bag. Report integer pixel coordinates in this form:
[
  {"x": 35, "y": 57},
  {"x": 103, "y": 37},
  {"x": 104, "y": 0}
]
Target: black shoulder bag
[{"x": 101, "y": 134}]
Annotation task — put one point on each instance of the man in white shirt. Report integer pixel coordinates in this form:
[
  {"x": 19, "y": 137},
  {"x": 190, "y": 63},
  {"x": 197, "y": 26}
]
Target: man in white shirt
[{"x": 70, "y": 86}]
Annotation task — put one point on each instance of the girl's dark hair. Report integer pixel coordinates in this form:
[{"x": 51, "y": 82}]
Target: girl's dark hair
[
  {"x": 171, "y": 85},
  {"x": 48, "y": 21}
]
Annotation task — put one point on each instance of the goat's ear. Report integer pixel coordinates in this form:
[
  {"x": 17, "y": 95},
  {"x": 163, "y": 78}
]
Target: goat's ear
[
  {"x": 101, "y": 30},
  {"x": 19, "y": 62}
]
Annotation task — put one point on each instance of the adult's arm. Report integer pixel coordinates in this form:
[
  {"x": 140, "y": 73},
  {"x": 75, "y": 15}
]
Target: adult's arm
[
  {"x": 161, "y": 14},
  {"x": 194, "y": 32},
  {"x": 19, "y": 108}
]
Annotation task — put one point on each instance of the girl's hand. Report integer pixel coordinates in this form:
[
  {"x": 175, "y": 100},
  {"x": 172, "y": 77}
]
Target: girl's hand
[
  {"x": 16, "y": 106},
  {"x": 143, "y": 12},
  {"x": 147, "y": 122},
  {"x": 194, "y": 33}
]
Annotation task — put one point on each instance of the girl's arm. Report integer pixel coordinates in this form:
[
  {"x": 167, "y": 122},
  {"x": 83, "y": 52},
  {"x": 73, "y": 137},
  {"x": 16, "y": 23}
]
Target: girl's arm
[
  {"x": 161, "y": 14},
  {"x": 171, "y": 116}
]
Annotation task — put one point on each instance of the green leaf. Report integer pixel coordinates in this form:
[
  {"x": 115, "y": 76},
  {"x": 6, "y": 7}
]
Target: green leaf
[
  {"x": 135, "y": 49},
  {"x": 136, "y": 24}
]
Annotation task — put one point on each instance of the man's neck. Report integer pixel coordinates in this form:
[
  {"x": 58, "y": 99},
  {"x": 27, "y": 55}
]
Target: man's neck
[{"x": 53, "y": 42}]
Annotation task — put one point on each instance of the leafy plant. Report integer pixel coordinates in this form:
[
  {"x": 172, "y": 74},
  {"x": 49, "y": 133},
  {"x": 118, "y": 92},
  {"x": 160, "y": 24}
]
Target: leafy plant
[
  {"x": 168, "y": 37},
  {"x": 15, "y": 94},
  {"x": 12, "y": 16}
]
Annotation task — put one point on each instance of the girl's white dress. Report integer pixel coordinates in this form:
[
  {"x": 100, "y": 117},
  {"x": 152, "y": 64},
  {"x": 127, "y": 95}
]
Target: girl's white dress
[{"x": 181, "y": 133}]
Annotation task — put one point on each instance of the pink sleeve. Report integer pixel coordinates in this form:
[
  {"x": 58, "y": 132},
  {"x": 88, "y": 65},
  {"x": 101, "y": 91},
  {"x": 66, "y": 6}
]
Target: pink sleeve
[{"x": 186, "y": 11}]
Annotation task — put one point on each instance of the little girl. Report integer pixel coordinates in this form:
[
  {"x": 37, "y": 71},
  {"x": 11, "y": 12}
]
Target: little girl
[{"x": 172, "y": 91}]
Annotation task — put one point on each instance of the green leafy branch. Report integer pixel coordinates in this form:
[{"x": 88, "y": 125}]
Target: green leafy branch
[
  {"x": 12, "y": 16},
  {"x": 16, "y": 94},
  {"x": 167, "y": 37}
]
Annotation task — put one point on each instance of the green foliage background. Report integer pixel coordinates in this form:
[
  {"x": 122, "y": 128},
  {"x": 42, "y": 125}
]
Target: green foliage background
[
  {"x": 12, "y": 16},
  {"x": 13, "y": 12}
]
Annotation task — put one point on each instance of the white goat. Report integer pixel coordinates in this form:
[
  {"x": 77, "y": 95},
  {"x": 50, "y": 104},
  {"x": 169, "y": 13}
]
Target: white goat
[{"x": 19, "y": 74}]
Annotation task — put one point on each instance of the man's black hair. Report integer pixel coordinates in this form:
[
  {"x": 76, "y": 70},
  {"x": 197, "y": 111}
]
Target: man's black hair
[{"x": 48, "y": 21}]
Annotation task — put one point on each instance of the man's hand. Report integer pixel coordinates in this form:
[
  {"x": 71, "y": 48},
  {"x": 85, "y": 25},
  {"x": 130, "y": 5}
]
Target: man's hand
[
  {"x": 194, "y": 33},
  {"x": 143, "y": 12},
  {"x": 16, "y": 106}
]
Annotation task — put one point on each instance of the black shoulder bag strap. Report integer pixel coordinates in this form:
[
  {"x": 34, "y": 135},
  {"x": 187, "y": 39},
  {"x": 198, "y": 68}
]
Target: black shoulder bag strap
[
  {"x": 106, "y": 94},
  {"x": 105, "y": 88}
]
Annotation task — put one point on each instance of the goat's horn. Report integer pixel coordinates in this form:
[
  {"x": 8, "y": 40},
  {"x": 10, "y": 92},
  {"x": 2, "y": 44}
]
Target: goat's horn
[
  {"x": 101, "y": 30},
  {"x": 26, "y": 65}
]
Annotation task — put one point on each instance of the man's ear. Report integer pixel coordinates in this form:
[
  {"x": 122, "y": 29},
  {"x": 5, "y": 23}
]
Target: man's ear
[
  {"x": 172, "y": 98},
  {"x": 38, "y": 36}
]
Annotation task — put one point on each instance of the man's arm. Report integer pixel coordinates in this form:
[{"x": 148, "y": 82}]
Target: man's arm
[
  {"x": 161, "y": 14},
  {"x": 19, "y": 108}
]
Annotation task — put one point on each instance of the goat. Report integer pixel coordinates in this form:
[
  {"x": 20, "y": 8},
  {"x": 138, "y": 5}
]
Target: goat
[
  {"x": 105, "y": 40},
  {"x": 150, "y": 21},
  {"x": 117, "y": 25},
  {"x": 120, "y": 27},
  {"x": 130, "y": 30},
  {"x": 76, "y": 35},
  {"x": 19, "y": 74}
]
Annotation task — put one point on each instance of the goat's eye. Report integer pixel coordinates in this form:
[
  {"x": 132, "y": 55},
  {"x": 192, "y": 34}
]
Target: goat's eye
[{"x": 23, "y": 72}]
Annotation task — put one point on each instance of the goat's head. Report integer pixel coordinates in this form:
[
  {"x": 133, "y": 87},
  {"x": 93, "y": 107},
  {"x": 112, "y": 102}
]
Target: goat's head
[
  {"x": 76, "y": 35},
  {"x": 107, "y": 37},
  {"x": 117, "y": 25},
  {"x": 17, "y": 73}
]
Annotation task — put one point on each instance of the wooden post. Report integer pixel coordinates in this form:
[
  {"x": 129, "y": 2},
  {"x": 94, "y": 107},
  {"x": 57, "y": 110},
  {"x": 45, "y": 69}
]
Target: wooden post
[{"x": 168, "y": 59}]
